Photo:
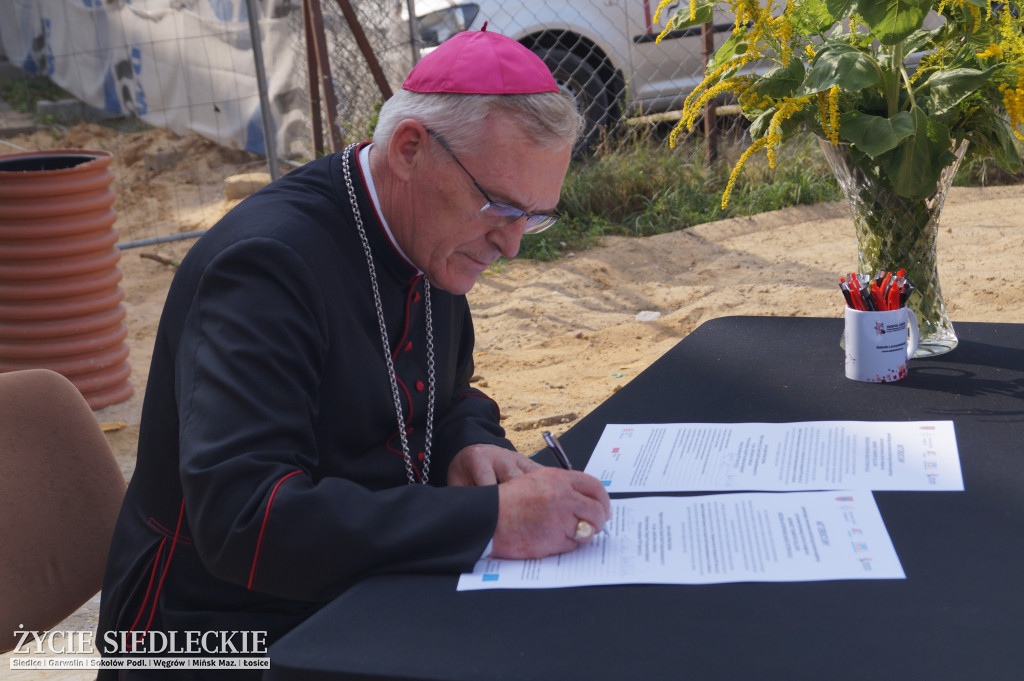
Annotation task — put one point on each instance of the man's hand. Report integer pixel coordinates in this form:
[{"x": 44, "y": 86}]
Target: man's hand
[
  {"x": 538, "y": 513},
  {"x": 487, "y": 465}
]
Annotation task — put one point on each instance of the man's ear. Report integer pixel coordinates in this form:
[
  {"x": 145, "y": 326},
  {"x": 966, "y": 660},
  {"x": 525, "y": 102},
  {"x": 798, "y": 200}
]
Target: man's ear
[{"x": 409, "y": 149}]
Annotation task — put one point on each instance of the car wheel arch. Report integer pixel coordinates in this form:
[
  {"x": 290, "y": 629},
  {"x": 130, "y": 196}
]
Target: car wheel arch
[{"x": 586, "y": 49}]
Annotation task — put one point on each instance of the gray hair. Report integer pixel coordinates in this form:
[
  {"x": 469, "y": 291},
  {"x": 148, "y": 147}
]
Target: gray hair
[{"x": 549, "y": 118}]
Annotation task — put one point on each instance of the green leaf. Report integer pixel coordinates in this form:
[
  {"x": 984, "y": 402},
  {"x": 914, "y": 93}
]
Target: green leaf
[
  {"x": 759, "y": 126},
  {"x": 841, "y": 9},
  {"x": 731, "y": 48},
  {"x": 919, "y": 39},
  {"x": 1006, "y": 155},
  {"x": 875, "y": 135},
  {"x": 918, "y": 161},
  {"x": 945, "y": 89},
  {"x": 992, "y": 136},
  {"x": 842, "y": 65},
  {"x": 704, "y": 13},
  {"x": 792, "y": 125},
  {"x": 893, "y": 20},
  {"x": 811, "y": 17},
  {"x": 781, "y": 81}
]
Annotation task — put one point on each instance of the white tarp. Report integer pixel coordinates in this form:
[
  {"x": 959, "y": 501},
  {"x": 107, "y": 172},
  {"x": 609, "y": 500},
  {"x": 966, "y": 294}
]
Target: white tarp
[{"x": 177, "y": 64}]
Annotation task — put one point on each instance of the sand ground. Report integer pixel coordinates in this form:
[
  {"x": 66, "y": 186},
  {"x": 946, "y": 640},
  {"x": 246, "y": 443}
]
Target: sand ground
[{"x": 556, "y": 339}]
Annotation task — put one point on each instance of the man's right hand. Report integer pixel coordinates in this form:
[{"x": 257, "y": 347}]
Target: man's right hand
[{"x": 538, "y": 513}]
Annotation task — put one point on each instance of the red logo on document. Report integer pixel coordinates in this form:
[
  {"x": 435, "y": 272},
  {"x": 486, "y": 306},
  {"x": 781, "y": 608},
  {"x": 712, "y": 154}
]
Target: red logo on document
[{"x": 615, "y": 450}]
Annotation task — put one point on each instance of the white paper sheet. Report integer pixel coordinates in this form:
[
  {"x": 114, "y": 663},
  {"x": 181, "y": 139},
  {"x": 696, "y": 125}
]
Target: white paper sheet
[
  {"x": 743, "y": 537},
  {"x": 813, "y": 455}
]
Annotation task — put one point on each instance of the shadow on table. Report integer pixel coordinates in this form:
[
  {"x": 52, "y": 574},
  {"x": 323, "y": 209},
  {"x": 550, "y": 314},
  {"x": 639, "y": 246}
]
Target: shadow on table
[{"x": 1007, "y": 363}]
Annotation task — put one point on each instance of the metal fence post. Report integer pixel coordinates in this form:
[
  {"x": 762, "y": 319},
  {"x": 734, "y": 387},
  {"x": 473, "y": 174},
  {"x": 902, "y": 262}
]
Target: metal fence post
[
  {"x": 414, "y": 44},
  {"x": 269, "y": 138},
  {"x": 707, "y": 35},
  {"x": 321, "y": 67},
  {"x": 364, "y": 46}
]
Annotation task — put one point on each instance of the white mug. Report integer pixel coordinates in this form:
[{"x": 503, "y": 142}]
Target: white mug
[{"x": 876, "y": 345}]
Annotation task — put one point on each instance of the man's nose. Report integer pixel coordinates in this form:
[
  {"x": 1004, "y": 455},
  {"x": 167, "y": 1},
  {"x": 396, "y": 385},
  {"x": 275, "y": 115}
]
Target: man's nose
[{"x": 507, "y": 238}]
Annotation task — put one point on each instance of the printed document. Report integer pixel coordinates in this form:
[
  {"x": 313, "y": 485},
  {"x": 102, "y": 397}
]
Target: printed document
[
  {"x": 742, "y": 537},
  {"x": 812, "y": 455}
]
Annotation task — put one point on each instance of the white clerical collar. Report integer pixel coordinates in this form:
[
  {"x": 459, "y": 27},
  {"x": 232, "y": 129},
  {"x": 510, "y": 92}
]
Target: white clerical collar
[{"x": 364, "y": 168}]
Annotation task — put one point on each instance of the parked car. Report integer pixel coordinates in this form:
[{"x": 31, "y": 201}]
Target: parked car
[{"x": 602, "y": 52}]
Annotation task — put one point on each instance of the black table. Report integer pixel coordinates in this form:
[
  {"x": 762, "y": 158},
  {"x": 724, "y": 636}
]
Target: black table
[{"x": 958, "y": 615}]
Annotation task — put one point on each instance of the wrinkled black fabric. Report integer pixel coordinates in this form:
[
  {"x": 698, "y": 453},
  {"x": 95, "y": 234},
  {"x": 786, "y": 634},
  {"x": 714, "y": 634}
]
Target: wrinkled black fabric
[{"x": 269, "y": 412}]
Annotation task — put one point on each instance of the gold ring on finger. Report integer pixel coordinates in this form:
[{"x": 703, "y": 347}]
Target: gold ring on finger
[{"x": 583, "y": 530}]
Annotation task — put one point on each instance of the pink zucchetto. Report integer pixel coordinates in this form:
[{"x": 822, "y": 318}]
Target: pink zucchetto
[{"x": 481, "y": 63}]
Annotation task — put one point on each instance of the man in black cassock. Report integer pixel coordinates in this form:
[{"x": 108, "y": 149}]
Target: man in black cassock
[{"x": 308, "y": 419}]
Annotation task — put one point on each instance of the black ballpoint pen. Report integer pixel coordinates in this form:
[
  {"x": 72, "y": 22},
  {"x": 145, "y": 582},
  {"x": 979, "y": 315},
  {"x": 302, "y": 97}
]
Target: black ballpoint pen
[{"x": 556, "y": 449}]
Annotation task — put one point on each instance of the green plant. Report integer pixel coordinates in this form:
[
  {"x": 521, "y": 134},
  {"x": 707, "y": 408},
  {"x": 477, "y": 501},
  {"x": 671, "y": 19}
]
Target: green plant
[
  {"x": 848, "y": 70},
  {"x": 648, "y": 188},
  {"x": 22, "y": 93}
]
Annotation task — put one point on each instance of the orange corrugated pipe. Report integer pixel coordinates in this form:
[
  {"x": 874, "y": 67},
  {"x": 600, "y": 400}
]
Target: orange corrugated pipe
[{"x": 60, "y": 299}]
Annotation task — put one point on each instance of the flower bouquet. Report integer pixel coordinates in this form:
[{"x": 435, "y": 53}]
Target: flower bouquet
[{"x": 898, "y": 91}]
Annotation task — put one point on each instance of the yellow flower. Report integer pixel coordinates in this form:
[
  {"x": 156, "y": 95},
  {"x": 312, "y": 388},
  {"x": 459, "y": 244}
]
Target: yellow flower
[
  {"x": 975, "y": 14},
  {"x": 770, "y": 140},
  {"x": 662, "y": 5},
  {"x": 693, "y": 110},
  {"x": 1011, "y": 39},
  {"x": 833, "y": 114},
  {"x": 750, "y": 10},
  {"x": 753, "y": 101},
  {"x": 698, "y": 97},
  {"x": 786, "y": 110},
  {"x": 783, "y": 29},
  {"x": 657, "y": 19},
  {"x": 751, "y": 150},
  {"x": 993, "y": 50},
  {"x": 828, "y": 113},
  {"x": 765, "y": 35},
  {"x": 822, "y": 99},
  {"x": 1013, "y": 102}
]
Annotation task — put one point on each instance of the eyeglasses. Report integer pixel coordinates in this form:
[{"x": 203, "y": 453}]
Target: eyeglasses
[{"x": 499, "y": 213}]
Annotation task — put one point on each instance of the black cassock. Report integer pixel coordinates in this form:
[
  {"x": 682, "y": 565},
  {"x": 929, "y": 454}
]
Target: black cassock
[{"x": 270, "y": 473}]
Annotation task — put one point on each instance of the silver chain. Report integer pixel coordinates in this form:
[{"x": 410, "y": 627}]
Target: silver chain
[{"x": 409, "y": 472}]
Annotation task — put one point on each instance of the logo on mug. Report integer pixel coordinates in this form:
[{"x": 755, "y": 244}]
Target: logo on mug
[{"x": 879, "y": 328}]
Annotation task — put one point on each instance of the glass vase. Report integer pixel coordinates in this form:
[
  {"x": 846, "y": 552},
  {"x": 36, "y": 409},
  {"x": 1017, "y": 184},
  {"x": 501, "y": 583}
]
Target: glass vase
[{"x": 896, "y": 233}]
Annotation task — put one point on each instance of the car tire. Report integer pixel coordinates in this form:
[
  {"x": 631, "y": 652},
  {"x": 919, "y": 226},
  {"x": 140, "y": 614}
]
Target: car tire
[{"x": 580, "y": 81}]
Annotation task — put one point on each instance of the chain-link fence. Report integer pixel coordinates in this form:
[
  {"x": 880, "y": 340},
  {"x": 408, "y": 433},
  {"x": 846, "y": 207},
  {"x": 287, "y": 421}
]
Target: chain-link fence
[
  {"x": 187, "y": 66},
  {"x": 340, "y": 75},
  {"x": 602, "y": 52}
]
